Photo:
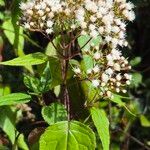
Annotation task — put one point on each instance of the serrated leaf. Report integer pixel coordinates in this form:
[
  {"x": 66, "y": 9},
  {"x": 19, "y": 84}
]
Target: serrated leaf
[
  {"x": 14, "y": 98},
  {"x": 54, "y": 113},
  {"x": 27, "y": 60},
  {"x": 102, "y": 125},
  {"x": 68, "y": 136}
]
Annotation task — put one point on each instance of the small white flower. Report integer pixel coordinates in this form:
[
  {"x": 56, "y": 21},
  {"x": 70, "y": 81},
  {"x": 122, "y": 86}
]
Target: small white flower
[
  {"x": 128, "y": 82},
  {"x": 95, "y": 83},
  {"x": 117, "y": 90},
  {"x": 97, "y": 56},
  {"x": 109, "y": 94},
  {"x": 118, "y": 77},
  {"x": 94, "y": 33},
  {"x": 89, "y": 71},
  {"x": 41, "y": 12},
  {"x": 83, "y": 25},
  {"x": 49, "y": 23},
  {"x": 92, "y": 27},
  {"x": 103, "y": 84},
  {"x": 124, "y": 91},
  {"x": 26, "y": 26},
  {"x": 73, "y": 26},
  {"x": 77, "y": 70},
  {"x": 101, "y": 30},
  {"x": 117, "y": 67},
  {"x": 105, "y": 78},
  {"x": 109, "y": 71},
  {"x": 96, "y": 69},
  {"x": 118, "y": 84},
  {"x": 49, "y": 31},
  {"x": 93, "y": 19}
]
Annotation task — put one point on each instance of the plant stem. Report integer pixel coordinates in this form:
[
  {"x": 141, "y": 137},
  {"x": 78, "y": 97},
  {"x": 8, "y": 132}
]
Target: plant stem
[{"x": 64, "y": 65}]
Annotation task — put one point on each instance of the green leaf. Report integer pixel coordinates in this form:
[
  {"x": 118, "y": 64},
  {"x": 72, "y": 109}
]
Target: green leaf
[
  {"x": 55, "y": 71},
  {"x": 102, "y": 125},
  {"x": 68, "y": 136},
  {"x": 87, "y": 63},
  {"x": 21, "y": 142},
  {"x": 51, "y": 50},
  {"x": 46, "y": 79},
  {"x": 144, "y": 121},
  {"x": 14, "y": 98},
  {"x": 118, "y": 100},
  {"x": 54, "y": 113},
  {"x": 82, "y": 40},
  {"x": 135, "y": 61},
  {"x": 3, "y": 147},
  {"x": 136, "y": 79},
  {"x": 32, "y": 83},
  {"x": 11, "y": 35},
  {"x": 7, "y": 122},
  {"x": 2, "y": 3},
  {"x": 89, "y": 91},
  {"x": 27, "y": 60}
]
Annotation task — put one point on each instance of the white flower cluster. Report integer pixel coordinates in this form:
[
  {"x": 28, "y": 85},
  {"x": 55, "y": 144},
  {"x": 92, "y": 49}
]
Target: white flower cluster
[
  {"x": 106, "y": 18},
  {"x": 93, "y": 17},
  {"x": 43, "y": 15},
  {"x": 109, "y": 72}
]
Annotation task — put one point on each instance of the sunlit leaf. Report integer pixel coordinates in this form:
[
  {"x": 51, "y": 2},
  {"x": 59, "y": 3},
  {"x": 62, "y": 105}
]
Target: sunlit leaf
[
  {"x": 85, "y": 41},
  {"x": 144, "y": 121},
  {"x": 27, "y": 60},
  {"x": 68, "y": 136},
  {"x": 14, "y": 98},
  {"x": 7, "y": 122},
  {"x": 102, "y": 125}
]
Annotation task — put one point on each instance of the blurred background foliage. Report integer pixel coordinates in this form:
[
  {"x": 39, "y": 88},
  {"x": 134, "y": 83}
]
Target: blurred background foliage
[{"x": 128, "y": 131}]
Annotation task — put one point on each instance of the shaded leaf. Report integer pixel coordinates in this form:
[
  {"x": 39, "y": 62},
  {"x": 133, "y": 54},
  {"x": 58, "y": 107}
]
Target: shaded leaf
[
  {"x": 54, "y": 113},
  {"x": 136, "y": 79},
  {"x": 118, "y": 100},
  {"x": 55, "y": 71},
  {"x": 46, "y": 79},
  {"x": 135, "y": 61}
]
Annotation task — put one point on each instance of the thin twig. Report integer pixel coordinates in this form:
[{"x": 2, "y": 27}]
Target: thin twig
[{"x": 135, "y": 139}]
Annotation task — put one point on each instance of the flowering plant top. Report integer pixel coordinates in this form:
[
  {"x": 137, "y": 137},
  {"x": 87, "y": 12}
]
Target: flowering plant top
[{"x": 96, "y": 18}]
